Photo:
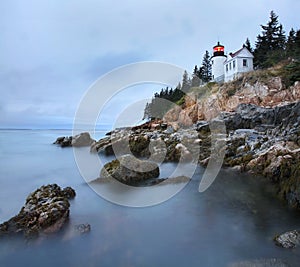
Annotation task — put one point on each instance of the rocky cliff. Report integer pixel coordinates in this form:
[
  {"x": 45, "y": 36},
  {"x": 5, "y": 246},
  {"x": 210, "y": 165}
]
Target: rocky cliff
[
  {"x": 262, "y": 118},
  {"x": 206, "y": 103}
]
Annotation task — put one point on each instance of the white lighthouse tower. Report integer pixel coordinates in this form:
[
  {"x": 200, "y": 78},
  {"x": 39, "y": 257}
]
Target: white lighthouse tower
[{"x": 217, "y": 62}]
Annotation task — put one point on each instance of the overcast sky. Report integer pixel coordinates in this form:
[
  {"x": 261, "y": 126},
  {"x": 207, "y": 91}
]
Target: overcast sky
[{"x": 52, "y": 51}]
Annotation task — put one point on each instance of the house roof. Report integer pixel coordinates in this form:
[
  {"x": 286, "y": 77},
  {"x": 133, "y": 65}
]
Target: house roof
[
  {"x": 236, "y": 53},
  {"x": 243, "y": 52}
]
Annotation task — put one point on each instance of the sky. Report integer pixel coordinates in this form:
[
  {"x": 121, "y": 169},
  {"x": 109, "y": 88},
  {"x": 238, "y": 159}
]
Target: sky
[{"x": 51, "y": 52}]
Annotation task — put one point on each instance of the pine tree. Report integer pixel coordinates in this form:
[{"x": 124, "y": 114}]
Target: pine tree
[
  {"x": 147, "y": 111},
  {"x": 186, "y": 82},
  {"x": 195, "y": 72},
  {"x": 195, "y": 79},
  {"x": 205, "y": 70},
  {"x": 270, "y": 44},
  {"x": 290, "y": 44},
  {"x": 297, "y": 46},
  {"x": 248, "y": 45}
]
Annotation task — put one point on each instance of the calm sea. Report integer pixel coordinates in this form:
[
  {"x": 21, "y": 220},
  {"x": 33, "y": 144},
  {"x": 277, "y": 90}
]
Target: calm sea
[{"x": 234, "y": 220}]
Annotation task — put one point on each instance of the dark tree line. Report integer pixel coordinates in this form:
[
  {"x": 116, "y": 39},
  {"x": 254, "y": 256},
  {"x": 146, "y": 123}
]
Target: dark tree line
[
  {"x": 162, "y": 101},
  {"x": 272, "y": 46}
]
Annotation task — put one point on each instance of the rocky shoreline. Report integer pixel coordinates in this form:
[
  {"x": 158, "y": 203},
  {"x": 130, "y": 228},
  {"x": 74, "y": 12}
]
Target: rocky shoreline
[
  {"x": 266, "y": 141},
  {"x": 262, "y": 141},
  {"x": 262, "y": 121}
]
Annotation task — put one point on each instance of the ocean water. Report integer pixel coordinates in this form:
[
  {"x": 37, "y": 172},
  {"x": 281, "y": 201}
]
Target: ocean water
[{"x": 234, "y": 220}]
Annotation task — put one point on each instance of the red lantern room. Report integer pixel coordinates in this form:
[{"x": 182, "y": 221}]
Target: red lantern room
[{"x": 218, "y": 50}]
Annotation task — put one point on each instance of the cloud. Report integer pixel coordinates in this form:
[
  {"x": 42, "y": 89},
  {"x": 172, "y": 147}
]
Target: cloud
[
  {"x": 103, "y": 64},
  {"x": 52, "y": 51}
]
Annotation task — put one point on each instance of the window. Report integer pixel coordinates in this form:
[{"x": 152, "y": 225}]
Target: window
[
  {"x": 230, "y": 65},
  {"x": 212, "y": 62},
  {"x": 245, "y": 63},
  {"x": 233, "y": 64},
  {"x": 226, "y": 67}
]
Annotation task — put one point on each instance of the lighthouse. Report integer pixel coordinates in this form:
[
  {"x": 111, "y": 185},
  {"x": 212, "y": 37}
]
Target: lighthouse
[{"x": 217, "y": 62}]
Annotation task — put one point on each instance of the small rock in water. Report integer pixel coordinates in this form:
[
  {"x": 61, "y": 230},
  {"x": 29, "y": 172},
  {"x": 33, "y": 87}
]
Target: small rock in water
[
  {"x": 69, "y": 192},
  {"x": 288, "y": 240},
  {"x": 63, "y": 141},
  {"x": 82, "y": 228}
]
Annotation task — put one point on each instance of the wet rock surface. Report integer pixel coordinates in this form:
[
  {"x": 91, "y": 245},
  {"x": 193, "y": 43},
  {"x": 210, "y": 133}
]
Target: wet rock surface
[
  {"x": 160, "y": 142},
  {"x": 130, "y": 170},
  {"x": 63, "y": 141},
  {"x": 268, "y": 144},
  {"x": 289, "y": 239},
  {"x": 46, "y": 211},
  {"x": 82, "y": 228},
  {"x": 79, "y": 140}
]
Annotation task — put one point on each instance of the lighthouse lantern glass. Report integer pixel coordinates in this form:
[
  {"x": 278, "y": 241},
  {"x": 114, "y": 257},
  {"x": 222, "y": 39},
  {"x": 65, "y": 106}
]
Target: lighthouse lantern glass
[{"x": 219, "y": 49}]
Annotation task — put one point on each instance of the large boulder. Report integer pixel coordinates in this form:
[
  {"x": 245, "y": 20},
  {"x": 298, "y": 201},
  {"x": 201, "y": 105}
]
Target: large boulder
[
  {"x": 82, "y": 139},
  {"x": 46, "y": 210},
  {"x": 130, "y": 170}
]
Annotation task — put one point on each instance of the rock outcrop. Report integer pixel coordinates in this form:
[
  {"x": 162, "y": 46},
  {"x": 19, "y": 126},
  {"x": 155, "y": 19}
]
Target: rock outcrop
[
  {"x": 266, "y": 141},
  {"x": 130, "y": 170},
  {"x": 46, "y": 210},
  {"x": 82, "y": 139},
  {"x": 207, "y": 105},
  {"x": 163, "y": 144}
]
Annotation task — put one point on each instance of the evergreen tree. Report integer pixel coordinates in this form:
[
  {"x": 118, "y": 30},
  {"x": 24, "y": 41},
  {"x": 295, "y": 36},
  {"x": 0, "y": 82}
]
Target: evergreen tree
[
  {"x": 270, "y": 44},
  {"x": 205, "y": 70},
  {"x": 248, "y": 45},
  {"x": 195, "y": 79},
  {"x": 293, "y": 51},
  {"x": 186, "y": 82},
  {"x": 195, "y": 72},
  {"x": 147, "y": 111},
  {"x": 290, "y": 44},
  {"x": 297, "y": 46}
]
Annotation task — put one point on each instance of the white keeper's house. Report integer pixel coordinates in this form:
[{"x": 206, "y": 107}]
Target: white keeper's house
[{"x": 227, "y": 68}]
